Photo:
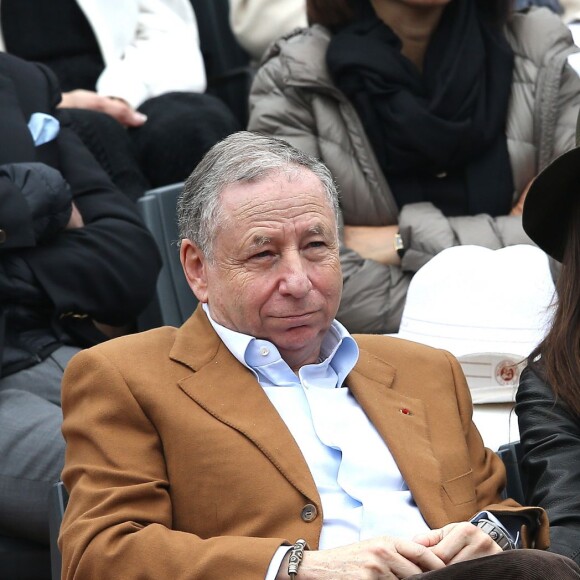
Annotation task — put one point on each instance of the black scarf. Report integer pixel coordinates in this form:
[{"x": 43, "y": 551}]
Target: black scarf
[{"x": 448, "y": 121}]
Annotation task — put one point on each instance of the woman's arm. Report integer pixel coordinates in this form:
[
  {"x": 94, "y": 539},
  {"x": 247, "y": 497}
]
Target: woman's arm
[
  {"x": 257, "y": 23},
  {"x": 550, "y": 439}
]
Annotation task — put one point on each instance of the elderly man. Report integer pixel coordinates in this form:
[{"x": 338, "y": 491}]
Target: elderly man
[{"x": 218, "y": 450}]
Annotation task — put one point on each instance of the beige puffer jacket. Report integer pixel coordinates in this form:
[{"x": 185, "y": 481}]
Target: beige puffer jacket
[{"x": 293, "y": 97}]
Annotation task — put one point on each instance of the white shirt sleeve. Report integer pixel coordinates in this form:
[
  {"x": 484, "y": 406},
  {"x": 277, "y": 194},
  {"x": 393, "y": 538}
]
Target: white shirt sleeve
[
  {"x": 162, "y": 56},
  {"x": 276, "y": 561}
]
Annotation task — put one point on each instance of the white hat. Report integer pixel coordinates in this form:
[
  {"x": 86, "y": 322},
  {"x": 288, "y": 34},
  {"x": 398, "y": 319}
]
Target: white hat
[{"x": 490, "y": 308}]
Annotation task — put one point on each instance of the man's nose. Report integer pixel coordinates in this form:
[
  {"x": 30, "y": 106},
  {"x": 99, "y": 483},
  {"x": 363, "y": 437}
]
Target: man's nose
[{"x": 294, "y": 278}]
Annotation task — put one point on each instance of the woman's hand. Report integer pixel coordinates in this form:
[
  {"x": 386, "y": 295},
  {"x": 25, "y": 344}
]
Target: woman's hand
[
  {"x": 518, "y": 208},
  {"x": 113, "y": 106},
  {"x": 76, "y": 219},
  {"x": 373, "y": 243}
]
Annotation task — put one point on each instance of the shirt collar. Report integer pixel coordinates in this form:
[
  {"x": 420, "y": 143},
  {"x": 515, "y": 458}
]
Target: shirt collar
[{"x": 338, "y": 350}]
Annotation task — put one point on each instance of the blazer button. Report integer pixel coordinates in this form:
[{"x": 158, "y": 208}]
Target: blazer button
[
  {"x": 309, "y": 512},
  {"x": 2, "y": 236}
]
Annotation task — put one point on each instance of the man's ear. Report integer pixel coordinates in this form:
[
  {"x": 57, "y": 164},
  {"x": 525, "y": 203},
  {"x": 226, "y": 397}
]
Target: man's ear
[{"x": 193, "y": 263}]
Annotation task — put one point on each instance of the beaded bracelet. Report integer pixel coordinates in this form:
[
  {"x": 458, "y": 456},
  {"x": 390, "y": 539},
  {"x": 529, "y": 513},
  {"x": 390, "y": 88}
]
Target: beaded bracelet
[{"x": 296, "y": 555}]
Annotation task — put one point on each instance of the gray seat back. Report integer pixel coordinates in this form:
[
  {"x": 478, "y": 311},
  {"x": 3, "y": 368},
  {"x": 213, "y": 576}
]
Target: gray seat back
[{"x": 175, "y": 301}]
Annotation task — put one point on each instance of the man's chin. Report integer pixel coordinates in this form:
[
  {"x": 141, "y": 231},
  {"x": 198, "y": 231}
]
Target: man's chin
[{"x": 297, "y": 338}]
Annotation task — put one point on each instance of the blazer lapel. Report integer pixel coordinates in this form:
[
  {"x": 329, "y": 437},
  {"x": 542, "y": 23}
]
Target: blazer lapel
[
  {"x": 401, "y": 421},
  {"x": 230, "y": 392}
]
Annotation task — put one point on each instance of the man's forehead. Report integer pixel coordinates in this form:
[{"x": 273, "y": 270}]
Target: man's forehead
[
  {"x": 276, "y": 181},
  {"x": 290, "y": 172},
  {"x": 277, "y": 193}
]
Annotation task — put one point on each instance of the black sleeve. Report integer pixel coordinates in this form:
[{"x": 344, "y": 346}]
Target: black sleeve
[
  {"x": 550, "y": 439},
  {"x": 35, "y": 204},
  {"x": 16, "y": 223}
]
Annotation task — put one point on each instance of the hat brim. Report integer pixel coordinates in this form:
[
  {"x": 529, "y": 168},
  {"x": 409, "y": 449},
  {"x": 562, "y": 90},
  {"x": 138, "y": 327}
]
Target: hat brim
[
  {"x": 548, "y": 204},
  {"x": 516, "y": 349}
]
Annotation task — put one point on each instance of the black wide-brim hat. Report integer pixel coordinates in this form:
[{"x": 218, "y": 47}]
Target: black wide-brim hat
[{"x": 550, "y": 201}]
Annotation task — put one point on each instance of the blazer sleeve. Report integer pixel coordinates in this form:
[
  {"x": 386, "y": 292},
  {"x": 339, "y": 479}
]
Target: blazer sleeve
[
  {"x": 163, "y": 56},
  {"x": 120, "y": 504},
  {"x": 550, "y": 438}
]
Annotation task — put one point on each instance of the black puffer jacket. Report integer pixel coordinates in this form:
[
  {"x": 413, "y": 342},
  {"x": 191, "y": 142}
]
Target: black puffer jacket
[
  {"x": 54, "y": 282},
  {"x": 550, "y": 437}
]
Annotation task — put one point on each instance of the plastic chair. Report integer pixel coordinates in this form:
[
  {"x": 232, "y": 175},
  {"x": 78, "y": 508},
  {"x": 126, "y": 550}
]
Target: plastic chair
[
  {"x": 510, "y": 454},
  {"x": 174, "y": 301},
  {"x": 58, "y": 500}
]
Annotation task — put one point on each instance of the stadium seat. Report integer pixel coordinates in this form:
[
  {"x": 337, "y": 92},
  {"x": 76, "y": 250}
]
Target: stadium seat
[
  {"x": 510, "y": 454},
  {"x": 58, "y": 500},
  {"x": 174, "y": 301}
]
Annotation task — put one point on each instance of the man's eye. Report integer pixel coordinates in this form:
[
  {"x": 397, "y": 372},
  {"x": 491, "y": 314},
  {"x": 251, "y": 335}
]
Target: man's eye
[
  {"x": 262, "y": 255},
  {"x": 317, "y": 244}
]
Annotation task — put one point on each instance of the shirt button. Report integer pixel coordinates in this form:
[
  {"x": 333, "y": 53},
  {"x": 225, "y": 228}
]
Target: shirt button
[
  {"x": 309, "y": 512},
  {"x": 264, "y": 351},
  {"x": 2, "y": 236}
]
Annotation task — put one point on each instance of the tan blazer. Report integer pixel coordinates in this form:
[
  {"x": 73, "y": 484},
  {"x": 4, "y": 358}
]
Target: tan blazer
[{"x": 179, "y": 466}]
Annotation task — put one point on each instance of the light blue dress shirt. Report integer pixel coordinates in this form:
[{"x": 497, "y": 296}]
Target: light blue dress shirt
[{"x": 362, "y": 491}]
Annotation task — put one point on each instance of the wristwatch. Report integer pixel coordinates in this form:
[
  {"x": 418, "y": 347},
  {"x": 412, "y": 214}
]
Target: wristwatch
[
  {"x": 496, "y": 534},
  {"x": 399, "y": 245}
]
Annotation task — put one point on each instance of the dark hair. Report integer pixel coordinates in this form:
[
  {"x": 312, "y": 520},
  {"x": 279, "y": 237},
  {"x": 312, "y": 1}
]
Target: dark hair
[
  {"x": 498, "y": 11},
  {"x": 336, "y": 13},
  {"x": 559, "y": 364},
  {"x": 330, "y": 13}
]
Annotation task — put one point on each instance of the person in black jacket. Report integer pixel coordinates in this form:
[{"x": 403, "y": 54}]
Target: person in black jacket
[
  {"x": 76, "y": 267},
  {"x": 548, "y": 398}
]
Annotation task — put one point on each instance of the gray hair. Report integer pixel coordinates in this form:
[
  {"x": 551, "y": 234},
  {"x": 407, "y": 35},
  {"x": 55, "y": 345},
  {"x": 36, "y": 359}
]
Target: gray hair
[{"x": 240, "y": 158}]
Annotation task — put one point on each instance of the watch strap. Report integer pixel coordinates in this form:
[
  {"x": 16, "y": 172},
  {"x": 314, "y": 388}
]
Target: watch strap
[
  {"x": 499, "y": 536},
  {"x": 399, "y": 245}
]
